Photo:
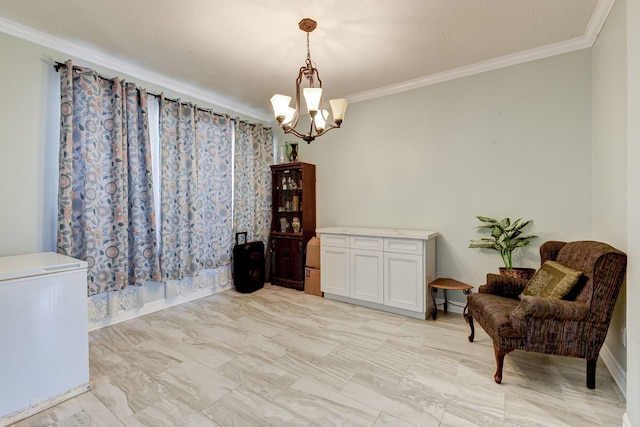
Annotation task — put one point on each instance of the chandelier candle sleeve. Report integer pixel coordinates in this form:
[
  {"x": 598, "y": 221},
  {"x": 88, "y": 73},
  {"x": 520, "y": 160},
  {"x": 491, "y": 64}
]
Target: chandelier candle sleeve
[
  {"x": 338, "y": 108},
  {"x": 312, "y": 96},
  {"x": 280, "y": 105},
  {"x": 287, "y": 116},
  {"x": 320, "y": 120}
]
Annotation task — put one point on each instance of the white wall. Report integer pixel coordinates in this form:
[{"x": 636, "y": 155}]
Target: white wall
[
  {"x": 514, "y": 142},
  {"x": 633, "y": 212},
  {"x": 609, "y": 125},
  {"x": 28, "y": 153}
]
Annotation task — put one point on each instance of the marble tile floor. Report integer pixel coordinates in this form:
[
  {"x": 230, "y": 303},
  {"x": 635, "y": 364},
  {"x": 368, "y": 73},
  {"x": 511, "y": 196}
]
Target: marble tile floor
[{"x": 279, "y": 357}]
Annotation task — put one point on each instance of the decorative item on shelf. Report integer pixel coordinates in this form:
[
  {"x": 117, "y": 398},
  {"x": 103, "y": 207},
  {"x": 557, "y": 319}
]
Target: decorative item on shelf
[
  {"x": 505, "y": 238},
  {"x": 291, "y": 184},
  {"x": 284, "y": 225},
  {"x": 292, "y": 151},
  {"x": 295, "y": 203},
  {"x": 287, "y": 117},
  {"x": 295, "y": 224}
]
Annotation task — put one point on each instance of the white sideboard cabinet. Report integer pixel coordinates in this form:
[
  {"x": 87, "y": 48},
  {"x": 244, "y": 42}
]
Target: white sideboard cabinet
[{"x": 386, "y": 269}]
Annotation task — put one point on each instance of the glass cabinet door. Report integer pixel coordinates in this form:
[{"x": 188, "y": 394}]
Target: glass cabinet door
[{"x": 288, "y": 201}]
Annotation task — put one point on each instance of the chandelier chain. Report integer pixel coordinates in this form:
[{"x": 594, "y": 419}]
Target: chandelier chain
[{"x": 308, "y": 73}]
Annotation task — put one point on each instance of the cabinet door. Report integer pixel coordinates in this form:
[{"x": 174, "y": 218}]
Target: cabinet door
[
  {"x": 288, "y": 258},
  {"x": 366, "y": 275},
  {"x": 334, "y": 265},
  {"x": 296, "y": 260},
  {"x": 404, "y": 283}
]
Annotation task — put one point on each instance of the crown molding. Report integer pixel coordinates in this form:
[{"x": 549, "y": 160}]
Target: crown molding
[
  {"x": 116, "y": 64},
  {"x": 598, "y": 18}
]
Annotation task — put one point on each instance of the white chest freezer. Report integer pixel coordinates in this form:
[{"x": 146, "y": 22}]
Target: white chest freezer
[{"x": 44, "y": 341}]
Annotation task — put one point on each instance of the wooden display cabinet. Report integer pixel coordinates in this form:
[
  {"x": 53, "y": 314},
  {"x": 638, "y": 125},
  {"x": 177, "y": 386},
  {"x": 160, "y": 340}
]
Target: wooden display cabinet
[{"x": 294, "y": 202}]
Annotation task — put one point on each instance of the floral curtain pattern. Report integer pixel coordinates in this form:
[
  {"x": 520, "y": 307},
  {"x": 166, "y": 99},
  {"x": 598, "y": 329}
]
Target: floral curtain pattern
[
  {"x": 105, "y": 202},
  {"x": 180, "y": 234},
  {"x": 213, "y": 137},
  {"x": 196, "y": 190},
  {"x": 252, "y": 195}
]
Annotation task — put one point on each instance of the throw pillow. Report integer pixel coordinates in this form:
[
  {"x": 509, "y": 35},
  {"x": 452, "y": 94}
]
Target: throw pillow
[{"x": 552, "y": 280}]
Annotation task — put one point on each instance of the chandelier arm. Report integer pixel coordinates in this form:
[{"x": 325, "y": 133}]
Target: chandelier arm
[
  {"x": 317, "y": 73},
  {"x": 312, "y": 123},
  {"x": 296, "y": 114},
  {"x": 325, "y": 130},
  {"x": 307, "y": 137}
]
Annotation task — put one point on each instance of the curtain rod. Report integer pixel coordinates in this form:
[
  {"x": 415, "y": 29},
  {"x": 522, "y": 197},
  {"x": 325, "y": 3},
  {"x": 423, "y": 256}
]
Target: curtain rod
[{"x": 58, "y": 65}]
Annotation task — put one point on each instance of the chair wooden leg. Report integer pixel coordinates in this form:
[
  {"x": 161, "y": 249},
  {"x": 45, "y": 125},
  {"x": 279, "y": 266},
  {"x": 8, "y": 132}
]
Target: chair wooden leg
[
  {"x": 500, "y": 354},
  {"x": 469, "y": 319},
  {"x": 591, "y": 373}
]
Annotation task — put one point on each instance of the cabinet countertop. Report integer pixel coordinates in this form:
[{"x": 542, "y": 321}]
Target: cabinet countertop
[{"x": 380, "y": 232}]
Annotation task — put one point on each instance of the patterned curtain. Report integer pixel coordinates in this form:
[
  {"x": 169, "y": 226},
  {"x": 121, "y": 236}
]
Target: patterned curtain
[
  {"x": 213, "y": 136},
  {"x": 180, "y": 234},
  {"x": 252, "y": 195},
  {"x": 196, "y": 190},
  {"x": 105, "y": 200}
]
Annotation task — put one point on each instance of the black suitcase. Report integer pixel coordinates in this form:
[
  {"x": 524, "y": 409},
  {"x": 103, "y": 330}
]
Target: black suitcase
[{"x": 248, "y": 267}]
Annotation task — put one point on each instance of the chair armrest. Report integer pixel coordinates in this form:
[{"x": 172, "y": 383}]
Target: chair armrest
[
  {"x": 504, "y": 286},
  {"x": 535, "y": 306}
]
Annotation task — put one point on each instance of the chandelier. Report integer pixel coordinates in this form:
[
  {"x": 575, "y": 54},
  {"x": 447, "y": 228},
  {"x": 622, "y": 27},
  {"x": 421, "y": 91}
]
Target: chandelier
[{"x": 288, "y": 117}]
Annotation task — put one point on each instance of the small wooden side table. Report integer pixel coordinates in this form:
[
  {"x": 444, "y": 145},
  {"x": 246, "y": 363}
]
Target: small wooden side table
[{"x": 445, "y": 284}]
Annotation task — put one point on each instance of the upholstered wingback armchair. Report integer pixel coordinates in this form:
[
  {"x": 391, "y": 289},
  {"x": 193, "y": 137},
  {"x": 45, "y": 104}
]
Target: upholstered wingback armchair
[{"x": 575, "y": 325}]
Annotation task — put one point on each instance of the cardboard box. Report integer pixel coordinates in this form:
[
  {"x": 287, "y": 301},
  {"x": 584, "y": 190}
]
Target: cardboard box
[
  {"x": 313, "y": 253},
  {"x": 312, "y": 281}
]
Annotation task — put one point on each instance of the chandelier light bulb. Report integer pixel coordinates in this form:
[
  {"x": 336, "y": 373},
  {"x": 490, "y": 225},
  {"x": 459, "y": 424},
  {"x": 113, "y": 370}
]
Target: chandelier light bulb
[
  {"x": 338, "y": 108},
  {"x": 280, "y": 105},
  {"x": 312, "y": 96},
  {"x": 289, "y": 116},
  {"x": 320, "y": 120}
]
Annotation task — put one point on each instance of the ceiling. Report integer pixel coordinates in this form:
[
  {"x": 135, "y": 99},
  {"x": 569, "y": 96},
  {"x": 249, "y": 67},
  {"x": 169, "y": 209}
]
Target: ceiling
[{"x": 237, "y": 53}]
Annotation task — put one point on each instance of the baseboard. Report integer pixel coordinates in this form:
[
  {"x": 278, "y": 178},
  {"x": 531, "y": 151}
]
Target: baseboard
[
  {"x": 33, "y": 409},
  {"x": 619, "y": 375},
  {"x": 152, "y": 307}
]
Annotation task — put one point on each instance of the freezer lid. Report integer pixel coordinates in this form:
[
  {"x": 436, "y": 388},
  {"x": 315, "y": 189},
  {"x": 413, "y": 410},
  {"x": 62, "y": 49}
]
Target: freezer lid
[{"x": 18, "y": 266}]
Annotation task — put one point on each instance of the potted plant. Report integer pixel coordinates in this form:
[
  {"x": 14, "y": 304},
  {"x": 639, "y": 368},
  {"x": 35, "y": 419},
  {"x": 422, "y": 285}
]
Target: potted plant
[{"x": 506, "y": 236}]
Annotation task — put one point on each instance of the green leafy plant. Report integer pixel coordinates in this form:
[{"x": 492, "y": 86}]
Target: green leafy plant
[{"x": 505, "y": 237}]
